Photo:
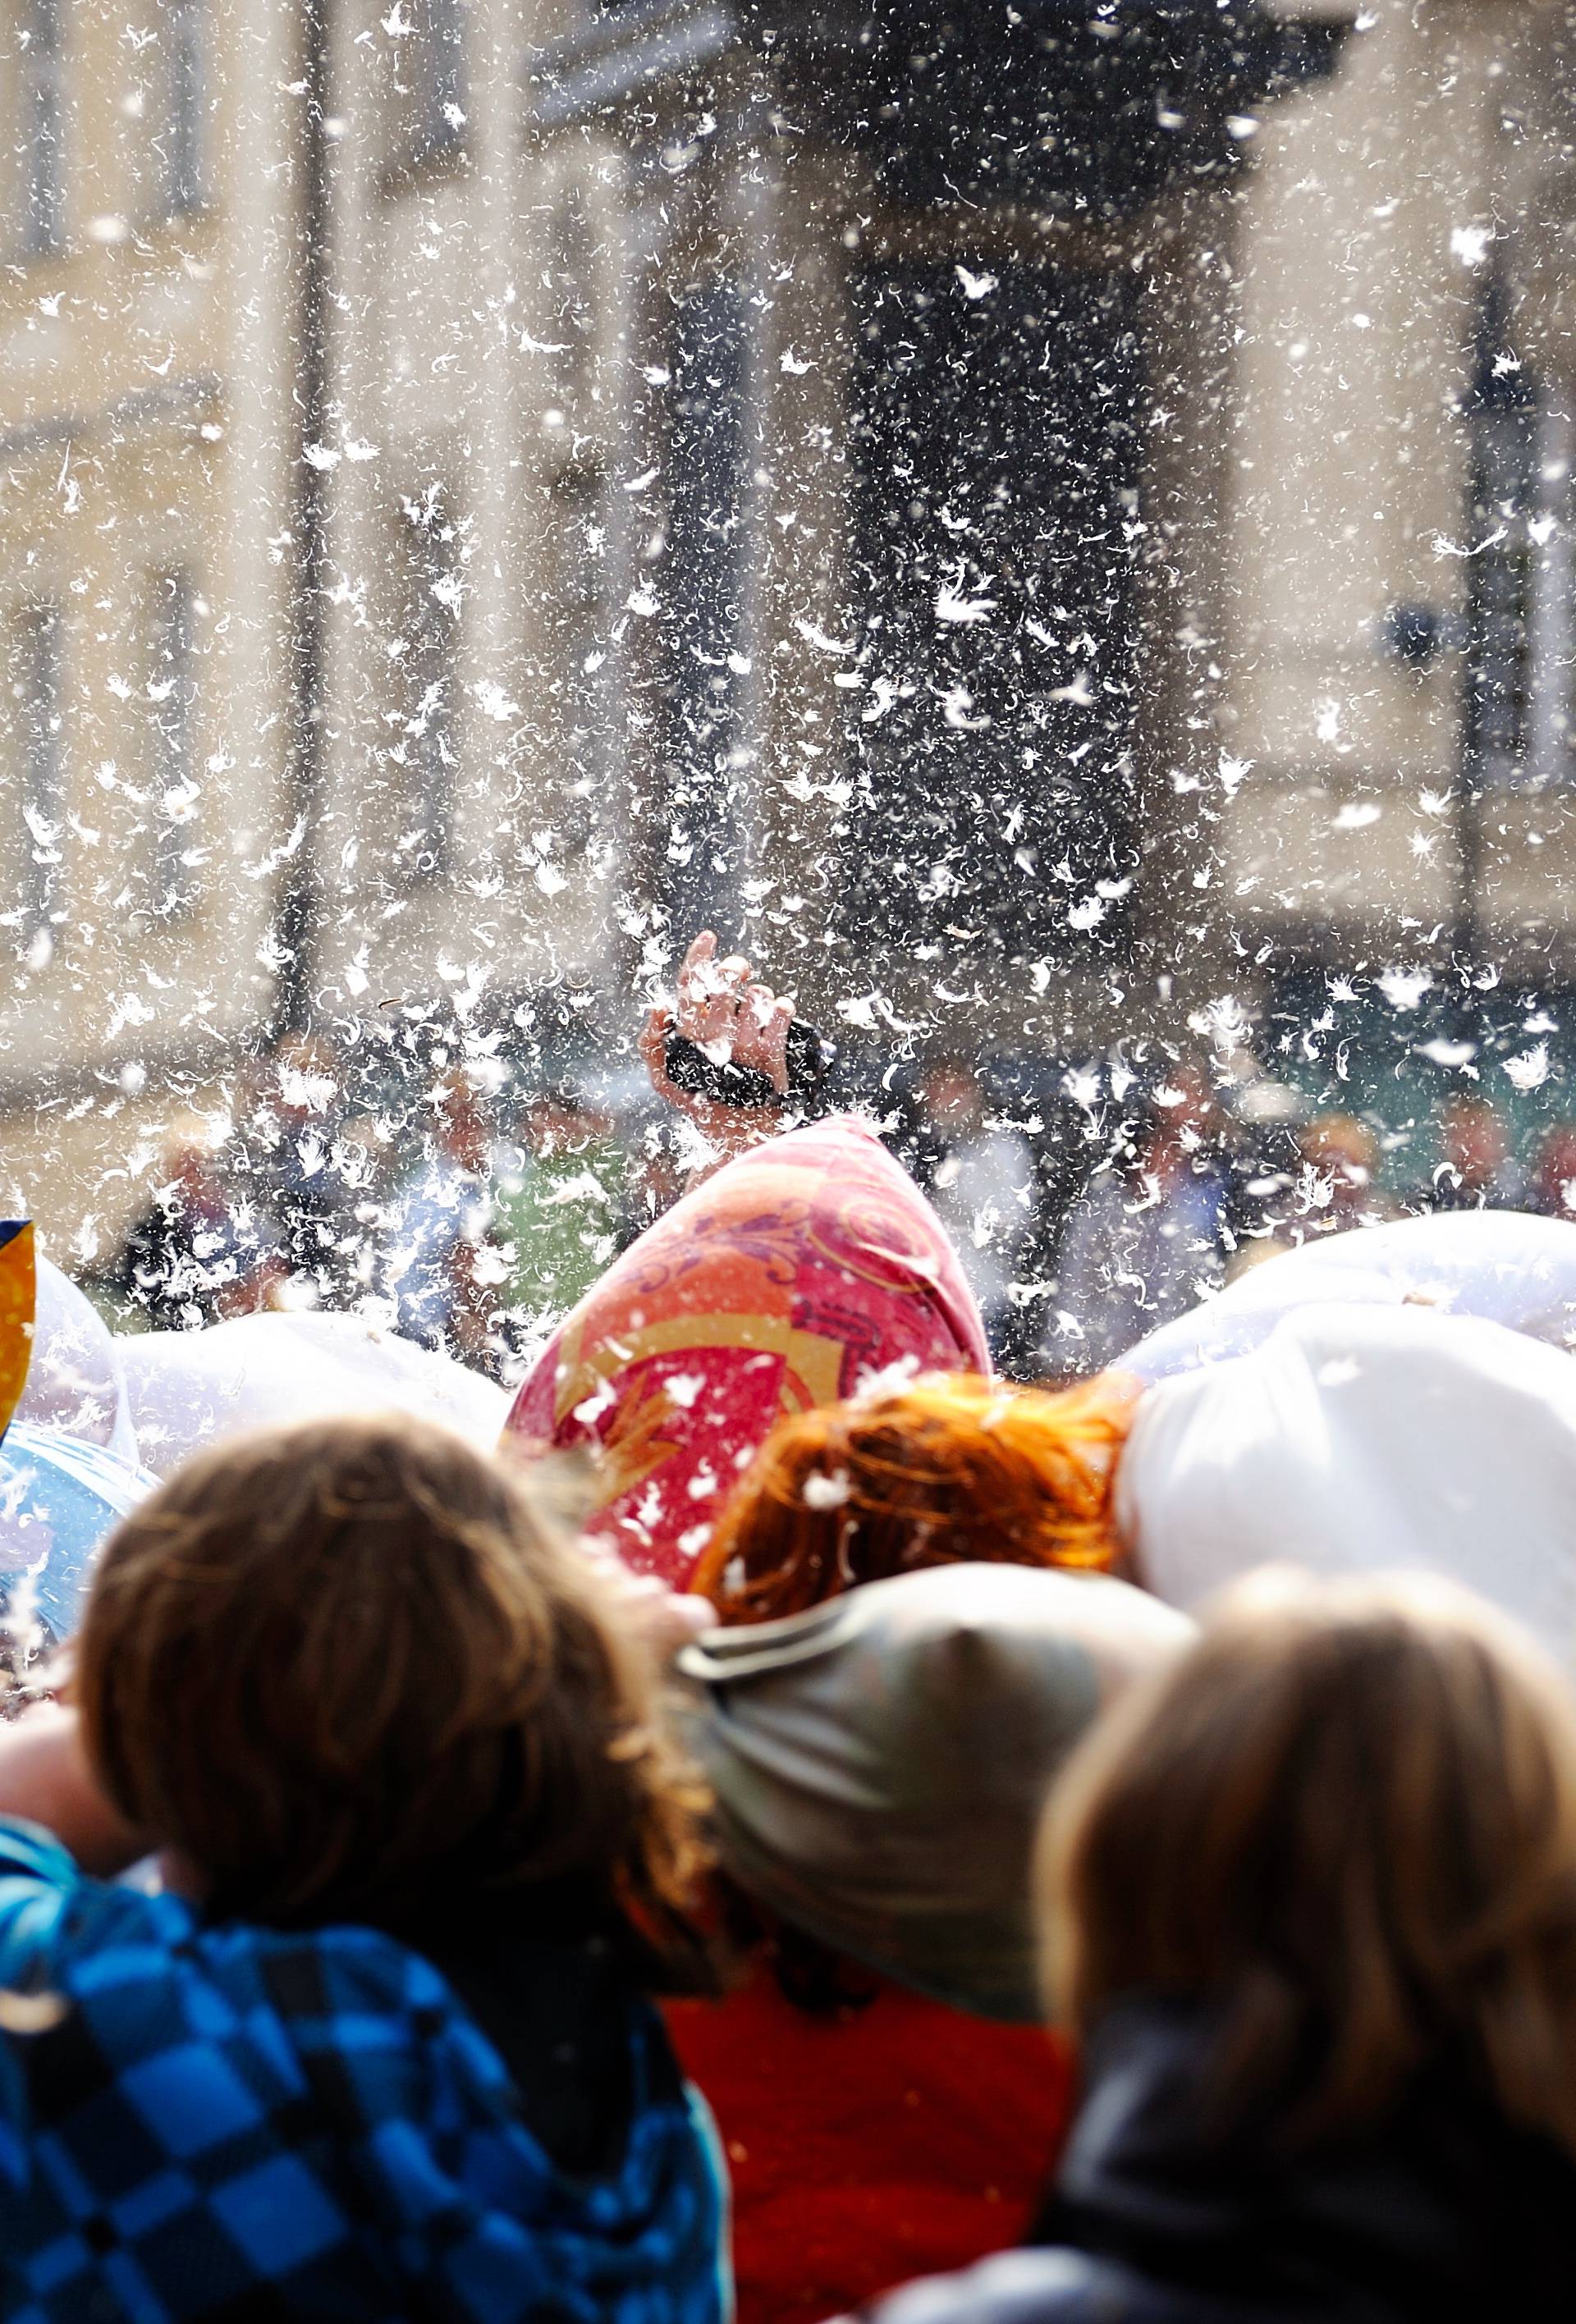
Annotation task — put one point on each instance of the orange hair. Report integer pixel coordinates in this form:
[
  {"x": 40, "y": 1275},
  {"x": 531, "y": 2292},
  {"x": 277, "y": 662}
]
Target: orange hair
[{"x": 946, "y": 1471}]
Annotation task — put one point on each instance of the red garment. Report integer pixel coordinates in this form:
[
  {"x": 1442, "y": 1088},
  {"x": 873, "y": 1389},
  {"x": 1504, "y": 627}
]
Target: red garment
[
  {"x": 903, "y": 2136},
  {"x": 898, "y": 2139}
]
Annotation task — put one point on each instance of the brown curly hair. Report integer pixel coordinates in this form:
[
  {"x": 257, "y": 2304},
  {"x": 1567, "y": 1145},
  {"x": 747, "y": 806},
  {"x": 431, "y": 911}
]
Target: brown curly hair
[
  {"x": 347, "y": 1672},
  {"x": 945, "y": 1468}
]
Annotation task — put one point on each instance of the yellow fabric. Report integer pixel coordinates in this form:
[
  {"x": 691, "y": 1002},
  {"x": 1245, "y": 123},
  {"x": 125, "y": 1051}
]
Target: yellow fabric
[{"x": 18, "y": 1297}]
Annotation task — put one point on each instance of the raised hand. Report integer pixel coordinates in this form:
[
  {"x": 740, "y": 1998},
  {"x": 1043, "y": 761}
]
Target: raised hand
[{"x": 722, "y": 1007}]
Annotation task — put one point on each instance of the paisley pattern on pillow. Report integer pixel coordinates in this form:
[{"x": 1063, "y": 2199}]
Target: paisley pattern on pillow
[{"x": 791, "y": 1277}]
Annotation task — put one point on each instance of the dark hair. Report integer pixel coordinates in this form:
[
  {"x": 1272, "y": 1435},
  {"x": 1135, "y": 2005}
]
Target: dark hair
[
  {"x": 1347, "y": 1817},
  {"x": 345, "y": 1671}
]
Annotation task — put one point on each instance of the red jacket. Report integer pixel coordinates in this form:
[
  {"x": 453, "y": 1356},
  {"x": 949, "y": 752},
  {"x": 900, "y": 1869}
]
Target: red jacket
[{"x": 894, "y": 2139}]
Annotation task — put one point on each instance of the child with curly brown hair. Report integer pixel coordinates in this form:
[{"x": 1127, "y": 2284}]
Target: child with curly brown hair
[{"x": 382, "y": 2046}]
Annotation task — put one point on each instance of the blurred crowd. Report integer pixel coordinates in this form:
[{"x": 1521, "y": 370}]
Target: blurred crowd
[
  {"x": 1090, "y": 1204},
  {"x": 459, "y": 1219}
]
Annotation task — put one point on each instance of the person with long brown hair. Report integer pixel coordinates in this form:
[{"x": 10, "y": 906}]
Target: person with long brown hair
[
  {"x": 1309, "y": 1900},
  {"x": 384, "y": 2043}
]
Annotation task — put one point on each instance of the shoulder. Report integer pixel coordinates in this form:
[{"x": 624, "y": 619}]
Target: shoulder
[
  {"x": 339, "y": 1984},
  {"x": 52, "y": 1915},
  {"x": 119, "y": 1953},
  {"x": 1040, "y": 2287},
  {"x": 365, "y": 2026},
  {"x": 30, "y": 1853}
]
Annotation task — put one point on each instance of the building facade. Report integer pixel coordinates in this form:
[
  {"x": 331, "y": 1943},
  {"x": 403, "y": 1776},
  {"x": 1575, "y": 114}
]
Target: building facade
[
  {"x": 1052, "y": 542},
  {"x": 149, "y": 238}
]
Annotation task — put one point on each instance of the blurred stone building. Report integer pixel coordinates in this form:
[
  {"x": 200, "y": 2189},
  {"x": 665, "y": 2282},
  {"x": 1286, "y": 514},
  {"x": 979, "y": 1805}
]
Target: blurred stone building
[
  {"x": 146, "y": 300},
  {"x": 1053, "y": 523},
  {"x": 1391, "y": 581}
]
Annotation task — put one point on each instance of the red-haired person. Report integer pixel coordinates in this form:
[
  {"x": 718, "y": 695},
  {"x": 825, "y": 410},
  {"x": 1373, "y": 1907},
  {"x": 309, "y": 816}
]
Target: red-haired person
[
  {"x": 863, "y": 2118},
  {"x": 869, "y": 2117}
]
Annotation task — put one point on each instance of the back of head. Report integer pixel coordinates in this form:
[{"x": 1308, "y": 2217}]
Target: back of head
[
  {"x": 944, "y": 1471},
  {"x": 1347, "y": 1819},
  {"x": 342, "y": 1670}
]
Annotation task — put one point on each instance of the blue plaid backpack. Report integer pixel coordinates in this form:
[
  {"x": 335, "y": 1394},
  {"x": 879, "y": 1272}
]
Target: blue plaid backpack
[{"x": 231, "y": 2124}]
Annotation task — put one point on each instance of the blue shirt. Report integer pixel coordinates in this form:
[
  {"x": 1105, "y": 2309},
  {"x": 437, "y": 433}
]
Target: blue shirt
[
  {"x": 236, "y": 2122},
  {"x": 442, "y": 1209}
]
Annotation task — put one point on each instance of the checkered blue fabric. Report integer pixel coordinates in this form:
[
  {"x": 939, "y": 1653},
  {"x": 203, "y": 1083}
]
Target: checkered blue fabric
[{"x": 233, "y": 2124}]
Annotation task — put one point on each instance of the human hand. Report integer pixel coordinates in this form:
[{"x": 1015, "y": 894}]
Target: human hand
[
  {"x": 727, "y": 1010},
  {"x": 46, "y": 1778},
  {"x": 662, "y": 1619}
]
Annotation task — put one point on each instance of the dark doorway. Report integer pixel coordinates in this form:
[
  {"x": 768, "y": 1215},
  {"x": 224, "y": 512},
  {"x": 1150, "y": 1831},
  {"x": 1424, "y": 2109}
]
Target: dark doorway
[
  {"x": 995, "y": 541},
  {"x": 699, "y": 581}
]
